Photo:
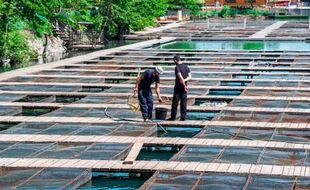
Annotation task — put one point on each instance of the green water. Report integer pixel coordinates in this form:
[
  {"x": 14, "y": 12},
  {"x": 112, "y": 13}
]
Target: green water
[
  {"x": 158, "y": 153},
  {"x": 240, "y": 45},
  {"x": 116, "y": 181},
  {"x": 5, "y": 126},
  {"x": 196, "y": 115},
  {"x": 219, "y": 92},
  {"x": 184, "y": 132},
  {"x": 290, "y": 17}
]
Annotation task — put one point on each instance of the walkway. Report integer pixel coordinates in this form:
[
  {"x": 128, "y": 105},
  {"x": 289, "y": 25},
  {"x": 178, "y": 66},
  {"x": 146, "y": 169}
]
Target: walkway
[
  {"x": 249, "y": 112},
  {"x": 269, "y": 29},
  {"x": 146, "y": 166}
]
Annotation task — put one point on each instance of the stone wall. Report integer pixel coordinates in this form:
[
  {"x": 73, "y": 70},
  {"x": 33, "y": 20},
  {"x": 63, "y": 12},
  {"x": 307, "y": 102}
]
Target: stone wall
[{"x": 48, "y": 48}]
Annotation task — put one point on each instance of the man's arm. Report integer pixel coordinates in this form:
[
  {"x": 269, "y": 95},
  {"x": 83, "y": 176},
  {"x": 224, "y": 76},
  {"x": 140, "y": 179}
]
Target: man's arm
[
  {"x": 139, "y": 79},
  {"x": 189, "y": 77},
  {"x": 183, "y": 81},
  {"x": 157, "y": 89}
]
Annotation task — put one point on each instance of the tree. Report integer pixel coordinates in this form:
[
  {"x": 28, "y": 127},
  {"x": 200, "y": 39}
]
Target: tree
[
  {"x": 193, "y": 5},
  {"x": 251, "y": 3},
  {"x": 13, "y": 44},
  {"x": 38, "y": 16},
  {"x": 112, "y": 18},
  {"x": 121, "y": 16}
]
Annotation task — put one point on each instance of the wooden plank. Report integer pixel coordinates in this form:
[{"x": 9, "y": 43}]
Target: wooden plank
[
  {"x": 60, "y": 163},
  {"x": 147, "y": 165},
  {"x": 292, "y": 171},
  {"x": 23, "y": 162},
  {"x": 125, "y": 106},
  {"x": 47, "y": 163},
  {"x": 190, "y": 167},
  {"x": 268, "y": 30},
  {"x": 234, "y": 168},
  {"x": 124, "y": 57},
  {"x": 129, "y": 166},
  {"x": 214, "y": 167},
  {"x": 216, "y": 52},
  {"x": 8, "y": 161},
  {"x": 108, "y": 165},
  {"x": 182, "y": 165},
  {"x": 139, "y": 141},
  {"x": 162, "y": 86},
  {"x": 277, "y": 170},
  {"x": 246, "y": 71},
  {"x": 105, "y": 67},
  {"x": 37, "y": 162},
  {"x": 219, "y": 52},
  {"x": 134, "y": 152},
  {"x": 53, "y": 76},
  {"x": 223, "y": 167},
  {"x": 192, "y": 123}
]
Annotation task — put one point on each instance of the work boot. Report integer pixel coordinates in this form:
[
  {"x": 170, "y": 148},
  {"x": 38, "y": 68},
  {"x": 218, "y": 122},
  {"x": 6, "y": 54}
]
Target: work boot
[
  {"x": 171, "y": 119},
  {"x": 182, "y": 119}
]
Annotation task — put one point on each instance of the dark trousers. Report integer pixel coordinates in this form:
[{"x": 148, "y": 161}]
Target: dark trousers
[
  {"x": 177, "y": 96},
  {"x": 146, "y": 103}
]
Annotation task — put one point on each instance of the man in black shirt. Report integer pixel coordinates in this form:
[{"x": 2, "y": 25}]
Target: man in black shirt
[
  {"x": 182, "y": 75},
  {"x": 143, "y": 87}
]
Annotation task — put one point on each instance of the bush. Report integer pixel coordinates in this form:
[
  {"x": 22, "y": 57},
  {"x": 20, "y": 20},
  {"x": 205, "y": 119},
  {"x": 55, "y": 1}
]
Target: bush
[
  {"x": 225, "y": 12},
  {"x": 255, "y": 12},
  {"x": 206, "y": 14},
  {"x": 15, "y": 48},
  {"x": 233, "y": 12},
  {"x": 215, "y": 13},
  {"x": 265, "y": 12}
]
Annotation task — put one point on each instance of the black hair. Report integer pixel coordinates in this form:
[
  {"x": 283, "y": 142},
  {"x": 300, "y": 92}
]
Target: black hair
[{"x": 177, "y": 58}]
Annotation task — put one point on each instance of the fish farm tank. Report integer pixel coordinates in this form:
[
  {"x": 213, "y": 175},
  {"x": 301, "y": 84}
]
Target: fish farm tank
[{"x": 239, "y": 45}]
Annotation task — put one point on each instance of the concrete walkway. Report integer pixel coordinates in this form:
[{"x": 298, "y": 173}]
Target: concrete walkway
[
  {"x": 159, "y": 29},
  {"x": 269, "y": 29}
]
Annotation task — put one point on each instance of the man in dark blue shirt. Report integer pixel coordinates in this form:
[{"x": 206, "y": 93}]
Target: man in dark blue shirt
[
  {"x": 182, "y": 75},
  {"x": 143, "y": 87}
]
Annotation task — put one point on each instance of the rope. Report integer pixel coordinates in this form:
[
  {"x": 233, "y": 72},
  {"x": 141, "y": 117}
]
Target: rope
[
  {"x": 117, "y": 119},
  {"x": 136, "y": 108},
  {"x": 132, "y": 100},
  {"x": 160, "y": 126},
  {"x": 131, "y": 120},
  {"x": 248, "y": 138}
]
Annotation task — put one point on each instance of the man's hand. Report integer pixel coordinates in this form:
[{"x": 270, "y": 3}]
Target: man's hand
[
  {"x": 160, "y": 100},
  {"x": 135, "y": 90},
  {"x": 186, "y": 88}
]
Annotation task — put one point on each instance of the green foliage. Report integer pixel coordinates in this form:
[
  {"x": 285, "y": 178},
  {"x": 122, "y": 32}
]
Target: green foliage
[
  {"x": 16, "y": 48},
  {"x": 193, "y": 5},
  {"x": 206, "y": 14},
  {"x": 112, "y": 18},
  {"x": 215, "y": 13},
  {"x": 252, "y": 13},
  {"x": 265, "y": 12},
  {"x": 256, "y": 12},
  {"x": 38, "y": 16},
  {"x": 120, "y": 16},
  {"x": 13, "y": 44},
  {"x": 225, "y": 12}
]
